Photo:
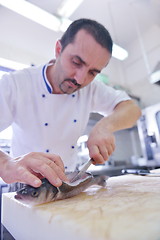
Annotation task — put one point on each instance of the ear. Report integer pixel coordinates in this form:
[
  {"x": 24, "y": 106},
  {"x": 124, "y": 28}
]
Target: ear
[{"x": 58, "y": 48}]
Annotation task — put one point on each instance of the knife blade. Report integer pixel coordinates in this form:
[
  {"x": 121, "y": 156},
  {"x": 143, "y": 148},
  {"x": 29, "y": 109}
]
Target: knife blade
[
  {"x": 142, "y": 172},
  {"x": 82, "y": 171}
]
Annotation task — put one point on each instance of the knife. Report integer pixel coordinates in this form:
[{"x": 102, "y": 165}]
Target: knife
[
  {"x": 82, "y": 171},
  {"x": 141, "y": 172}
]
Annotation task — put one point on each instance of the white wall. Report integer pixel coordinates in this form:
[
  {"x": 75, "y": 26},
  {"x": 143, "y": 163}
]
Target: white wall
[
  {"x": 25, "y": 41},
  {"x": 133, "y": 73},
  {"x": 140, "y": 64}
]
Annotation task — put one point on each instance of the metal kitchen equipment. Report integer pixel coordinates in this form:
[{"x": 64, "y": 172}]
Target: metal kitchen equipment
[
  {"x": 149, "y": 133},
  {"x": 141, "y": 172}
]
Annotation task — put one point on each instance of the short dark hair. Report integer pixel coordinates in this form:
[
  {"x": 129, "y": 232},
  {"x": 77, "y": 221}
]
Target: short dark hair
[{"x": 95, "y": 29}]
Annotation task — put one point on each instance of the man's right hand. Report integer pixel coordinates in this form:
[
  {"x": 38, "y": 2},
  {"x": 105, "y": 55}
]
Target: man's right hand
[{"x": 30, "y": 168}]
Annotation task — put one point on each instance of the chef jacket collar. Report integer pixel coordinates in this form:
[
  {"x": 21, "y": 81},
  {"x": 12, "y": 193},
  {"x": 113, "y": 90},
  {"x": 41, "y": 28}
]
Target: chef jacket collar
[{"x": 48, "y": 85}]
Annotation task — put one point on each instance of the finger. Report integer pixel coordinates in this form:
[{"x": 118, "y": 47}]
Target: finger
[
  {"x": 48, "y": 173},
  {"x": 113, "y": 144},
  {"x": 95, "y": 154},
  {"x": 38, "y": 175},
  {"x": 107, "y": 148},
  {"x": 25, "y": 176},
  {"x": 55, "y": 158},
  {"x": 105, "y": 152},
  {"x": 59, "y": 162},
  {"x": 111, "y": 149},
  {"x": 49, "y": 170},
  {"x": 56, "y": 168}
]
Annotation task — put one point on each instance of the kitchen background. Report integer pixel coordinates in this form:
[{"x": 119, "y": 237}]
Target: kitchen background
[{"x": 135, "y": 26}]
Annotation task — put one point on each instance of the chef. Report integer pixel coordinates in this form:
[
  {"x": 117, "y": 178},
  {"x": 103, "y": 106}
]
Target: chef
[{"x": 48, "y": 107}]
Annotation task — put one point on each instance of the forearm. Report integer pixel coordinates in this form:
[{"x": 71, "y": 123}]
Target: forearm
[
  {"x": 101, "y": 141},
  {"x": 4, "y": 158},
  {"x": 124, "y": 116}
]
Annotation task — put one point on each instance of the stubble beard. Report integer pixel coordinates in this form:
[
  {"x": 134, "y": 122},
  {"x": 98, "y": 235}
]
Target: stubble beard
[{"x": 69, "y": 89}]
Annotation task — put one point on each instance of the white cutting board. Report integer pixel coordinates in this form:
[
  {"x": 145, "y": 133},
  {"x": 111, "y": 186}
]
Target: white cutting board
[{"x": 128, "y": 209}]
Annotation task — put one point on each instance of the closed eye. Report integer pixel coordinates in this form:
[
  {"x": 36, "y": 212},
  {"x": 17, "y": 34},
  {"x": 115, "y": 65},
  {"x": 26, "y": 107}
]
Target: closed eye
[
  {"x": 77, "y": 61},
  {"x": 78, "y": 64},
  {"x": 92, "y": 73}
]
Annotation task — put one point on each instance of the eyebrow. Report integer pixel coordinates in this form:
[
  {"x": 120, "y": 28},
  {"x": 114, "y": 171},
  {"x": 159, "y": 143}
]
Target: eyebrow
[{"x": 83, "y": 62}]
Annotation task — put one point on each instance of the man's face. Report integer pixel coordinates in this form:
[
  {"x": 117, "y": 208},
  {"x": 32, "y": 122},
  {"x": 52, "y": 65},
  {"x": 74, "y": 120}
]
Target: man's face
[{"x": 78, "y": 64}]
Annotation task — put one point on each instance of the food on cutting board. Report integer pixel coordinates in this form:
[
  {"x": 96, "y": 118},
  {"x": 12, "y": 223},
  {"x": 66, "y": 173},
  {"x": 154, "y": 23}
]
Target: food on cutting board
[{"x": 48, "y": 193}]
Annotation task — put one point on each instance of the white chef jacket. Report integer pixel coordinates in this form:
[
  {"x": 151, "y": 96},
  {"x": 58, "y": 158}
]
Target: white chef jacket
[{"x": 45, "y": 122}]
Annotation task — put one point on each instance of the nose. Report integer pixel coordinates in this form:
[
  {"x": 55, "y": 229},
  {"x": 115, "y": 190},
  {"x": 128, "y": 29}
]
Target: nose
[{"x": 80, "y": 76}]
